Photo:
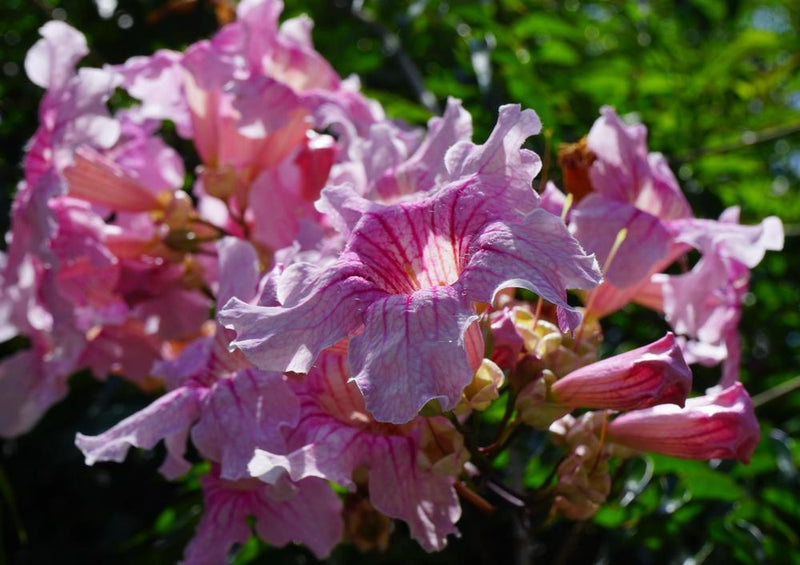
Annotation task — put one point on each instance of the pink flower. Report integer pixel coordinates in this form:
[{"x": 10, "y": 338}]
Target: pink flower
[
  {"x": 306, "y": 512},
  {"x": 646, "y": 376},
  {"x": 390, "y": 163},
  {"x": 719, "y": 425},
  {"x": 410, "y": 273},
  {"x": 229, "y": 406},
  {"x": 705, "y": 304},
  {"x": 73, "y": 111},
  {"x": 335, "y": 436},
  {"x": 632, "y": 190}
]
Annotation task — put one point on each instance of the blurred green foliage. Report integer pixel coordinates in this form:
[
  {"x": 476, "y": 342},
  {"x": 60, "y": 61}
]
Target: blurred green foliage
[{"x": 718, "y": 86}]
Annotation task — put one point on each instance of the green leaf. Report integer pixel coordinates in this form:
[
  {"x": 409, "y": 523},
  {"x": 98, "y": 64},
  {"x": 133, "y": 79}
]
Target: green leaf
[
  {"x": 699, "y": 479},
  {"x": 557, "y": 53}
]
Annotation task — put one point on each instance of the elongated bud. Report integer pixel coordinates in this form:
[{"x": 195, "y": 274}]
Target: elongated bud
[
  {"x": 719, "y": 425},
  {"x": 99, "y": 180},
  {"x": 650, "y": 375}
]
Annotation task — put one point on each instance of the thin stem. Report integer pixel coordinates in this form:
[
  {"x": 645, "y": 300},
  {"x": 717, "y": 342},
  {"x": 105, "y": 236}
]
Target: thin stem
[
  {"x": 393, "y": 47},
  {"x": 747, "y": 139},
  {"x": 206, "y": 223},
  {"x": 473, "y": 498},
  {"x": 776, "y": 392},
  {"x": 501, "y": 436}
]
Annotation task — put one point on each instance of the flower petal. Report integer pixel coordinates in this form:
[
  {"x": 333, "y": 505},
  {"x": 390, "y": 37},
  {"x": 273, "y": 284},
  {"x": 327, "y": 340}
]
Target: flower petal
[
  {"x": 411, "y": 351},
  {"x": 169, "y": 415},
  {"x": 242, "y": 413},
  {"x": 400, "y": 489},
  {"x": 537, "y": 253},
  {"x": 598, "y": 220},
  {"x": 290, "y": 339}
]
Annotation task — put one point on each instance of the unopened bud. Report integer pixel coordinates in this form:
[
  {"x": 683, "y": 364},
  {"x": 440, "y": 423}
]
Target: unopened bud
[
  {"x": 178, "y": 210},
  {"x": 535, "y": 406},
  {"x": 441, "y": 448},
  {"x": 219, "y": 183},
  {"x": 483, "y": 389}
]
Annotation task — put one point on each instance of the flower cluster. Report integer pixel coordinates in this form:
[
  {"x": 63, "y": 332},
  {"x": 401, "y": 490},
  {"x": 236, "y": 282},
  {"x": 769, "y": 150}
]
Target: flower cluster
[{"x": 364, "y": 282}]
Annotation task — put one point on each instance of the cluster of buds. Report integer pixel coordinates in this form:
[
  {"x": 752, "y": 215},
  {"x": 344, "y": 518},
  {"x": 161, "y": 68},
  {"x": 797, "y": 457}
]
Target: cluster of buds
[{"x": 333, "y": 297}]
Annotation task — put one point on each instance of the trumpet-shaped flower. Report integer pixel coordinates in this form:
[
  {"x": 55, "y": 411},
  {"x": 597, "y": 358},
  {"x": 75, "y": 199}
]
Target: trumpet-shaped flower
[
  {"x": 309, "y": 513},
  {"x": 229, "y": 406},
  {"x": 643, "y": 377},
  {"x": 632, "y": 190},
  {"x": 409, "y": 478},
  {"x": 719, "y": 425},
  {"x": 410, "y": 274}
]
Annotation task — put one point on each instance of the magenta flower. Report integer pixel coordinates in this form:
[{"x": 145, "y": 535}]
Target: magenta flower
[
  {"x": 719, "y": 425},
  {"x": 390, "y": 163},
  {"x": 335, "y": 435},
  {"x": 308, "y": 512},
  {"x": 229, "y": 406},
  {"x": 705, "y": 304},
  {"x": 632, "y": 190},
  {"x": 73, "y": 111},
  {"x": 410, "y": 273},
  {"x": 646, "y": 376}
]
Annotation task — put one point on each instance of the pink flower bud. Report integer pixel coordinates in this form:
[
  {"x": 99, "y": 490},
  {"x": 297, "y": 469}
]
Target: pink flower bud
[
  {"x": 649, "y": 375},
  {"x": 718, "y": 425}
]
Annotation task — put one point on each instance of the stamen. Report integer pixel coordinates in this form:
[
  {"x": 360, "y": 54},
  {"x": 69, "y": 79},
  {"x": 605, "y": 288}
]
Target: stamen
[
  {"x": 567, "y": 206},
  {"x": 621, "y": 235},
  {"x": 412, "y": 275}
]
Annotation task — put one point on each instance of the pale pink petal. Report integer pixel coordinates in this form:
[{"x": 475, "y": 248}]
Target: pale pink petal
[
  {"x": 274, "y": 209},
  {"x": 553, "y": 200},
  {"x": 241, "y": 413},
  {"x": 175, "y": 465},
  {"x": 621, "y": 153},
  {"x": 426, "y": 502},
  {"x": 265, "y": 106},
  {"x": 746, "y": 244},
  {"x": 535, "y": 252},
  {"x": 664, "y": 197},
  {"x": 598, "y": 220},
  {"x": 51, "y": 62},
  {"x": 167, "y": 416},
  {"x": 311, "y": 517},
  {"x": 412, "y": 350},
  {"x": 333, "y": 450},
  {"x": 421, "y": 170},
  {"x": 706, "y": 302},
  {"x": 194, "y": 360},
  {"x": 239, "y": 271},
  {"x": 505, "y": 170},
  {"x": 289, "y": 339},
  {"x": 26, "y": 392},
  {"x": 224, "y": 523},
  {"x": 158, "y": 312},
  {"x": 124, "y": 349},
  {"x": 157, "y": 81}
]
